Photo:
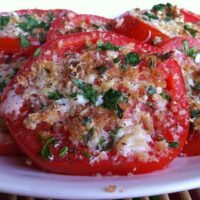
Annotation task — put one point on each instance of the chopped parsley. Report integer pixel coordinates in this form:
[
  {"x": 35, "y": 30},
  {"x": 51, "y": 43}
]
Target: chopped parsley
[
  {"x": 165, "y": 96},
  {"x": 132, "y": 58},
  {"x": 106, "y": 46},
  {"x": 4, "y": 21},
  {"x": 111, "y": 100},
  {"x": 23, "y": 41},
  {"x": 158, "y": 7},
  {"x": 191, "y": 52},
  {"x": 29, "y": 24},
  {"x": 150, "y": 104},
  {"x": 102, "y": 144},
  {"x": 151, "y": 90},
  {"x": 45, "y": 151},
  {"x": 113, "y": 135},
  {"x": 63, "y": 151},
  {"x": 2, "y": 85},
  {"x": 191, "y": 31},
  {"x": 151, "y": 63},
  {"x": 37, "y": 52},
  {"x": 89, "y": 92},
  {"x": 116, "y": 60},
  {"x": 195, "y": 113},
  {"x": 95, "y": 26},
  {"x": 55, "y": 95},
  {"x": 173, "y": 144},
  {"x": 101, "y": 70},
  {"x": 87, "y": 137},
  {"x": 150, "y": 15}
]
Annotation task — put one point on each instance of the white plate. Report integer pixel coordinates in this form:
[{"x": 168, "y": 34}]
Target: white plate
[{"x": 16, "y": 177}]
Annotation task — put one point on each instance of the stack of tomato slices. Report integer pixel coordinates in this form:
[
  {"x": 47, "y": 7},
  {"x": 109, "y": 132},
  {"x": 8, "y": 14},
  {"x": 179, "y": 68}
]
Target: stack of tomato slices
[{"x": 100, "y": 96}]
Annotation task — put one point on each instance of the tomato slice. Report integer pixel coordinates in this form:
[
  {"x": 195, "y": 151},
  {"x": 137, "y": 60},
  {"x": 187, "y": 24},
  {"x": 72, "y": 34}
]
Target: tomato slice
[
  {"x": 78, "y": 23},
  {"x": 101, "y": 101},
  {"x": 9, "y": 65},
  {"x": 190, "y": 17},
  {"x": 155, "y": 26},
  {"x": 186, "y": 52},
  {"x": 24, "y": 30}
]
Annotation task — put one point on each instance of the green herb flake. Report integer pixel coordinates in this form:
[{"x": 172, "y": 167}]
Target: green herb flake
[
  {"x": 101, "y": 70},
  {"x": 29, "y": 24},
  {"x": 151, "y": 90},
  {"x": 102, "y": 144},
  {"x": 191, "y": 52},
  {"x": 45, "y": 151},
  {"x": 37, "y": 52},
  {"x": 113, "y": 135},
  {"x": 95, "y": 26},
  {"x": 23, "y": 41},
  {"x": 158, "y": 7},
  {"x": 87, "y": 121},
  {"x": 191, "y": 31},
  {"x": 2, "y": 85},
  {"x": 87, "y": 137},
  {"x": 132, "y": 58},
  {"x": 195, "y": 113},
  {"x": 89, "y": 92},
  {"x": 63, "y": 151},
  {"x": 116, "y": 60},
  {"x": 150, "y": 15},
  {"x": 106, "y": 46},
  {"x": 150, "y": 104},
  {"x": 173, "y": 144},
  {"x": 4, "y": 20},
  {"x": 169, "y": 5},
  {"x": 165, "y": 96},
  {"x": 111, "y": 100},
  {"x": 55, "y": 95},
  {"x": 86, "y": 154},
  {"x": 151, "y": 63}
]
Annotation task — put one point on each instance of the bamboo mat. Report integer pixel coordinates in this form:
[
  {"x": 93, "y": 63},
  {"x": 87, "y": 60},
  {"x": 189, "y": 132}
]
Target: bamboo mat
[{"x": 184, "y": 195}]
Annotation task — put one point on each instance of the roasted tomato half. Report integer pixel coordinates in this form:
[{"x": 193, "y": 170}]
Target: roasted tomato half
[
  {"x": 186, "y": 51},
  {"x": 78, "y": 23},
  {"x": 98, "y": 102},
  {"x": 23, "y": 31}
]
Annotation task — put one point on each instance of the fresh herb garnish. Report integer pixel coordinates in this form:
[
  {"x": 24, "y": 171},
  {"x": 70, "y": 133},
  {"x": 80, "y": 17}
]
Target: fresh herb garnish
[
  {"x": 4, "y": 21},
  {"x": 192, "y": 32},
  {"x": 63, "y": 151},
  {"x": 158, "y": 7},
  {"x": 87, "y": 137},
  {"x": 55, "y": 95},
  {"x": 195, "y": 113},
  {"x": 101, "y": 70},
  {"x": 88, "y": 91},
  {"x": 150, "y": 104},
  {"x": 116, "y": 60},
  {"x": 111, "y": 100},
  {"x": 151, "y": 90},
  {"x": 106, "y": 46},
  {"x": 29, "y": 24},
  {"x": 45, "y": 151},
  {"x": 173, "y": 144},
  {"x": 37, "y": 52},
  {"x": 2, "y": 85},
  {"x": 95, "y": 26},
  {"x": 150, "y": 15},
  {"x": 87, "y": 121},
  {"x": 23, "y": 41},
  {"x": 102, "y": 144},
  {"x": 191, "y": 52},
  {"x": 165, "y": 96},
  {"x": 113, "y": 135},
  {"x": 132, "y": 58},
  {"x": 151, "y": 63}
]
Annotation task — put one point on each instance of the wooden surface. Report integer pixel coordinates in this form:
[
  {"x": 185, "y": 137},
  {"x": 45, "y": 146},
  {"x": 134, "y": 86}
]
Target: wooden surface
[{"x": 184, "y": 195}]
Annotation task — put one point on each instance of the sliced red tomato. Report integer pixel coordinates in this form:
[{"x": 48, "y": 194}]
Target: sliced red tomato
[
  {"x": 98, "y": 100},
  {"x": 24, "y": 30},
  {"x": 9, "y": 65},
  {"x": 190, "y": 16},
  {"x": 186, "y": 51},
  {"x": 134, "y": 27},
  {"x": 78, "y": 23}
]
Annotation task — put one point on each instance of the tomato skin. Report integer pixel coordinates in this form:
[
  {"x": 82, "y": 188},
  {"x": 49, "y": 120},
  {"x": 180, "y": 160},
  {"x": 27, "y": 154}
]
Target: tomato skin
[
  {"x": 138, "y": 29},
  {"x": 192, "y": 147},
  {"x": 190, "y": 17},
  {"x": 12, "y": 44},
  {"x": 31, "y": 146},
  {"x": 76, "y": 20}
]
